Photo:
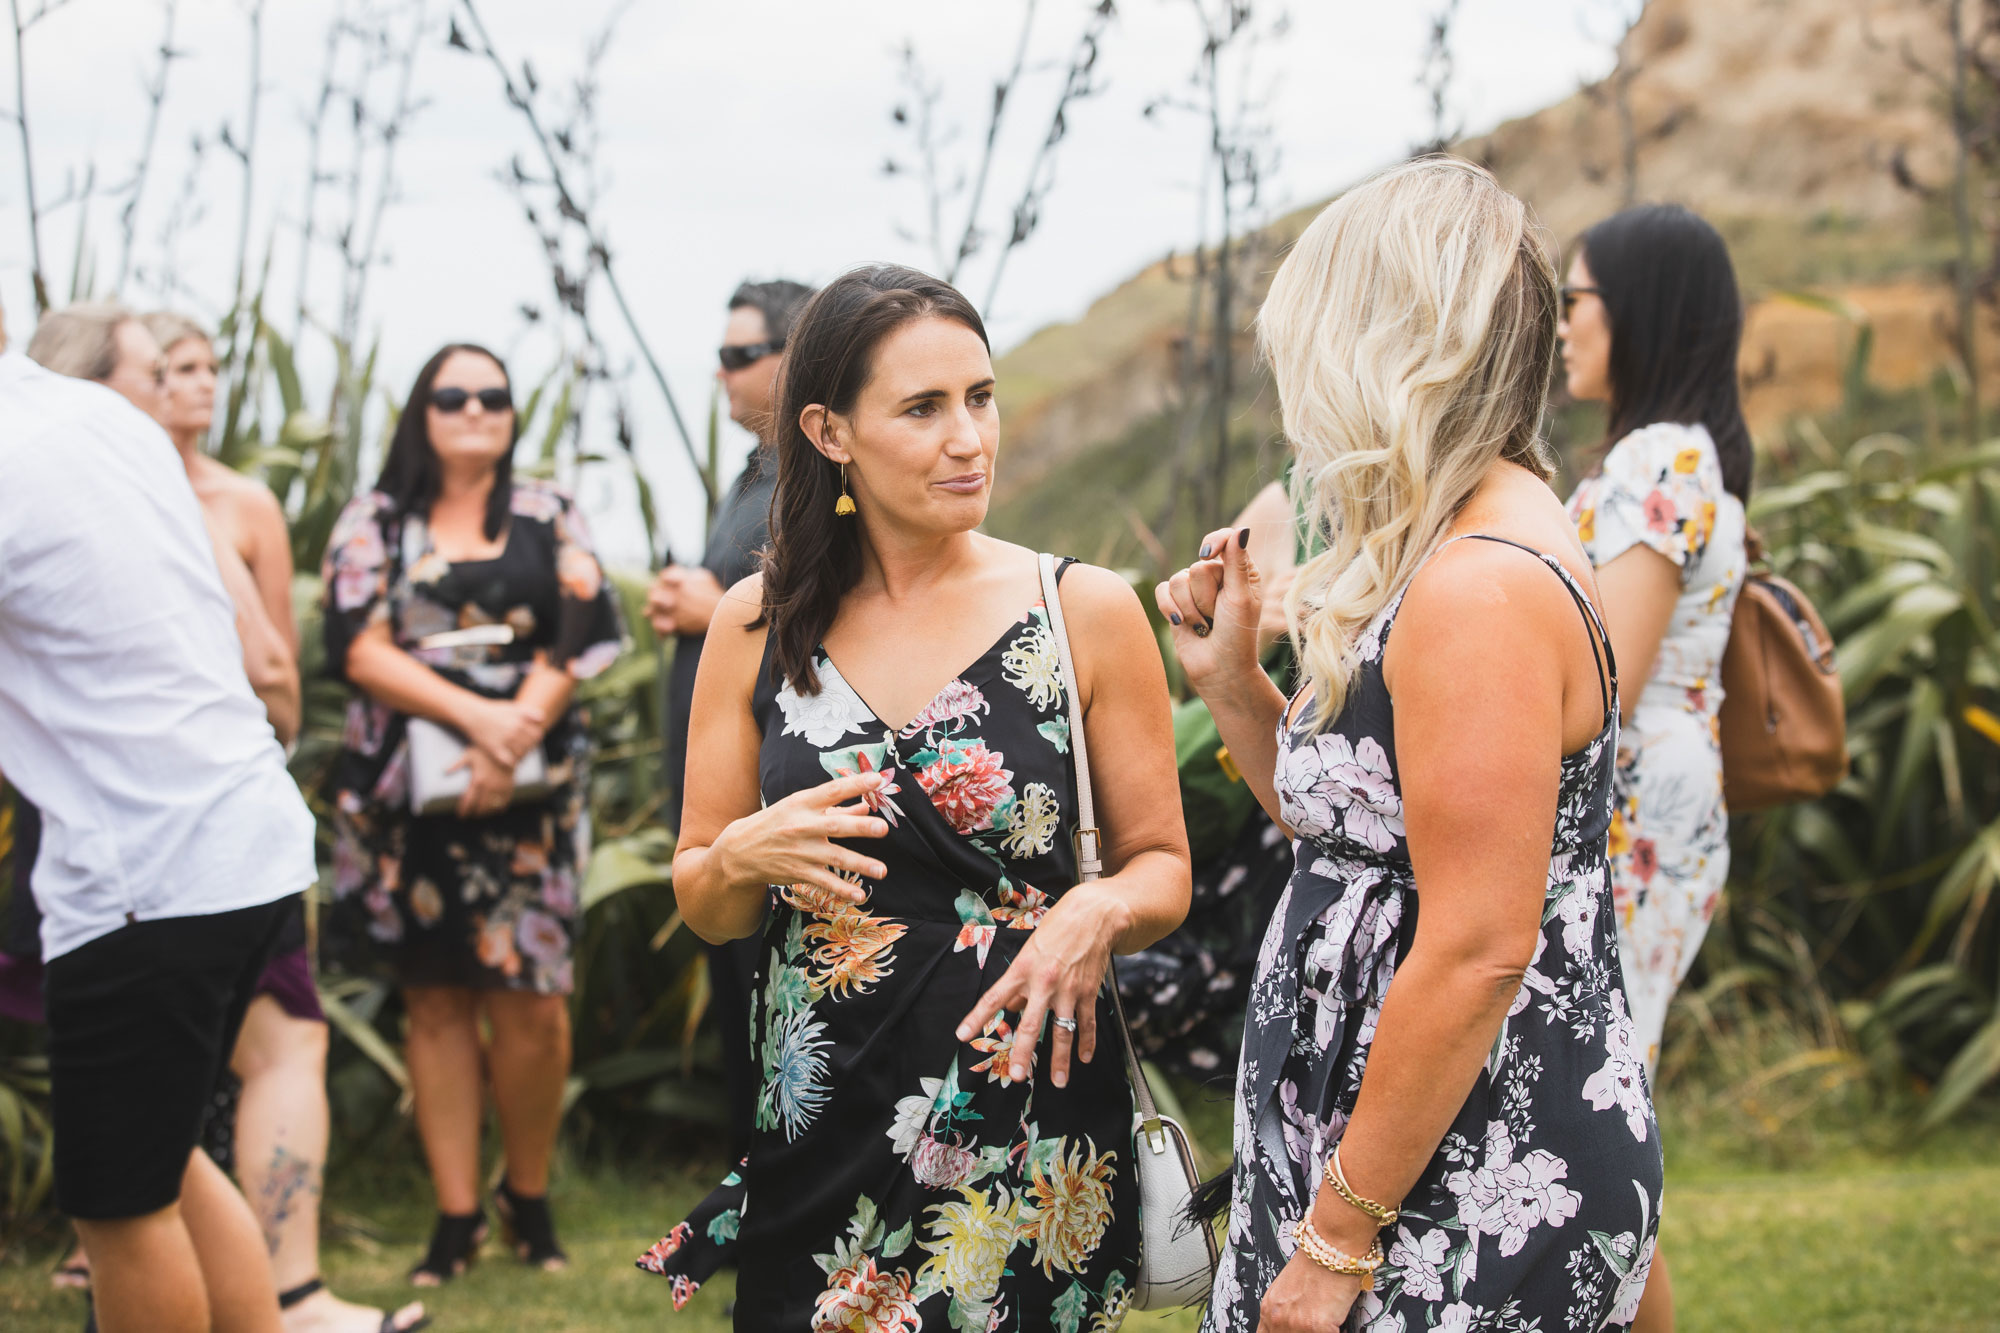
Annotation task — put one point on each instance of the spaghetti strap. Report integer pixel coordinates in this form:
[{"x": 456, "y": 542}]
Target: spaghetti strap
[{"x": 1605, "y": 664}]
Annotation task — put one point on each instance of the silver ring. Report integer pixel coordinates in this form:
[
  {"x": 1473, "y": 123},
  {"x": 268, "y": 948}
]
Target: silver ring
[{"x": 1067, "y": 1025}]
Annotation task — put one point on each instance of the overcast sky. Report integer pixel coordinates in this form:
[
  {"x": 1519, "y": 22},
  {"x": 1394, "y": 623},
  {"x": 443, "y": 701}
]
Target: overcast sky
[{"x": 740, "y": 138}]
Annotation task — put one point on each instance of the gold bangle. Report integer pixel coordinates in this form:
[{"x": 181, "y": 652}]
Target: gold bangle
[
  {"x": 1321, "y": 1252},
  {"x": 1336, "y": 1176}
]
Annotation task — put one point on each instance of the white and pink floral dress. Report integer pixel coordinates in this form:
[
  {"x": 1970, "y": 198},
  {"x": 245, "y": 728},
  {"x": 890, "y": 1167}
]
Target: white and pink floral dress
[
  {"x": 1540, "y": 1207},
  {"x": 1661, "y": 487}
]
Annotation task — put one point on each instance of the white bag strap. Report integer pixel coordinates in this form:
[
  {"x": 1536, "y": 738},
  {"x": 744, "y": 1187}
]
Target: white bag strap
[{"x": 1089, "y": 841}]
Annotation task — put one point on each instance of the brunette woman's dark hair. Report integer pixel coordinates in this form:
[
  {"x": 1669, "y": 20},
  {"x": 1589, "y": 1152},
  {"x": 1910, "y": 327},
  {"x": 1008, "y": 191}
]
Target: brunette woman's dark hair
[
  {"x": 411, "y": 475},
  {"x": 1676, "y": 319},
  {"x": 815, "y": 557}
]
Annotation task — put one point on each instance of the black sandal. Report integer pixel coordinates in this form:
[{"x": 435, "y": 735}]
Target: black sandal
[
  {"x": 287, "y": 1299},
  {"x": 454, "y": 1247},
  {"x": 528, "y": 1229}
]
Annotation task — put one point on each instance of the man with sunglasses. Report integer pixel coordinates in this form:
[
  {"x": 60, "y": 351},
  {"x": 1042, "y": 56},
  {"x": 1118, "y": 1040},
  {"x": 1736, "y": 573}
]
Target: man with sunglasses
[{"x": 683, "y": 600}]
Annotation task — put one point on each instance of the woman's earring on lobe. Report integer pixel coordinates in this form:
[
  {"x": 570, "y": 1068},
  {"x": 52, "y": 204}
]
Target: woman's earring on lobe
[{"x": 844, "y": 506}]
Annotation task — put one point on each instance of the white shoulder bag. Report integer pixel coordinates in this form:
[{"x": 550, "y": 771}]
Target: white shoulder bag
[{"x": 1177, "y": 1254}]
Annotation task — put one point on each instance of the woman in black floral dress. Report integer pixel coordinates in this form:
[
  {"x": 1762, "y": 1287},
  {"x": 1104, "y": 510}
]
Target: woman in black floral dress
[
  {"x": 456, "y": 593},
  {"x": 926, "y": 1152},
  {"x": 1440, "y": 1089}
]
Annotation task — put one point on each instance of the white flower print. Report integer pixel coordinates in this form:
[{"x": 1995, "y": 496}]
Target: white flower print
[
  {"x": 1329, "y": 782},
  {"x": 1577, "y": 908},
  {"x": 1621, "y": 1080},
  {"x": 912, "y": 1114},
  {"x": 1032, "y": 823},
  {"x": 1509, "y": 1199},
  {"x": 825, "y": 717},
  {"x": 1374, "y": 809},
  {"x": 1420, "y": 1263},
  {"x": 1458, "y": 1317},
  {"x": 1030, "y": 664}
]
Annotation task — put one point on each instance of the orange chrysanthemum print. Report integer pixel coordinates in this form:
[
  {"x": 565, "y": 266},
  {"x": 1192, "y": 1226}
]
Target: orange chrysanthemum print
[
  {"x": 852, "y": 951},
  {"x": 866, "y": 1299},
  {"x": 1068, "y": 1207}
]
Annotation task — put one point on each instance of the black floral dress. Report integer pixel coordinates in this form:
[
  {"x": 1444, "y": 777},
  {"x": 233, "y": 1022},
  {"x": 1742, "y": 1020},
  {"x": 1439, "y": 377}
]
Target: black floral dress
[
  {"x": 898, "y": 1179},
  {"x": 487, "y": 903},
  {"x": 1539, "y": 1210}
]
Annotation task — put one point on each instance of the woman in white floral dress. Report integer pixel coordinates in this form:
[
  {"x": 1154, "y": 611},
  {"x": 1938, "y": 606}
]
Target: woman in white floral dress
[
  {"x": 926, "y": 1154},
  {"x": 1437, "y": 1009},
  {"x": 1652, "y": 323}
]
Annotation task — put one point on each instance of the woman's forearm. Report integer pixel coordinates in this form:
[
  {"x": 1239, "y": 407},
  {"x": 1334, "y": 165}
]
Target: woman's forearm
[
  {"x": 547, "y": 689},
  {"x": 1150, "y": 894},
  {"x": 399, "y": 681},
  {"x": 1435, "y": 1031},
  {"x": 1247, "y": 708},
  {"x": 714, "y": 908}
]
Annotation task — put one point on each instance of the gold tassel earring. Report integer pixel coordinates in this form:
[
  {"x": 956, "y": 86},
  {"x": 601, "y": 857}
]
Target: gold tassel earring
[{"x": 844, "y": 506}]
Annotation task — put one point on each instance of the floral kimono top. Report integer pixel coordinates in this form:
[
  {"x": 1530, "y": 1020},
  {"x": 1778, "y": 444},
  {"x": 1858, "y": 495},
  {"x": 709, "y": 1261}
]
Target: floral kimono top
[{"x": 489, "y": 902}]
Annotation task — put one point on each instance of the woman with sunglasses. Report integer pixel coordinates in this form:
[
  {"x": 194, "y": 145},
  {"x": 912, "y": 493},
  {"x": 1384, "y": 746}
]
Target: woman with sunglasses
[
  {"x": 1651, "y": 325},
  {"x": 462, "y": 596}
]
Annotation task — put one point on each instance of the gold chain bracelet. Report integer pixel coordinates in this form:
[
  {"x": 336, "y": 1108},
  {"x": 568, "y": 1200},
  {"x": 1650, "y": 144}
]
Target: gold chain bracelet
[
  {"x": 1336, "y": 1176},
  {"x": 1322, "y": 1252}
]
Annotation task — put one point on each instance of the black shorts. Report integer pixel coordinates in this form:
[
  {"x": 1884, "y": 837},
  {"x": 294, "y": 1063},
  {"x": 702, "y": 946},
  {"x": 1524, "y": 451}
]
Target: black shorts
[{"x": 141, "y": 1024}]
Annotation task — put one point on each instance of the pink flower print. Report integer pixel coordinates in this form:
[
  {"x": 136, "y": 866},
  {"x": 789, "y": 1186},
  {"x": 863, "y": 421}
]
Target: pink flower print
[
  {"x": 683, "y": 1290},
  {"x": 1645, "y": 859},
  {"x": 1374, "y": 808},
  {"x": 941, "y": 1166},
  {"x": 537, "y": 502},
  {"x": 1421, "y": 1263},
  {"x": 559, "y": 891},
  {"x": 1621, "y": 1080},
  {"x": 955, "y": 701},
  {"x": 966, "y": 784},
  {"x": 592, "y": 660},
  {"x": 880, "y": 800},
  {"x": 1534, "y": 1195},
  {"x": 578, "y": 573},
  {"x": 1659, "y": 512},
  {"x": 542, "y": 937}
]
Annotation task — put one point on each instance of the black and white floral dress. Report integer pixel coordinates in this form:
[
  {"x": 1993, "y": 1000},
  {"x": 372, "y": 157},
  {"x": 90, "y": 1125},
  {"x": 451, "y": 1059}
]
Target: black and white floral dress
[
  {"x": 898, "y": 1179},
  {"x": 1540, "y": 1208}
]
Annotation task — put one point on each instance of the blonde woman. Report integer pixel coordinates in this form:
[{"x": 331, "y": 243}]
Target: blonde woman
[{"x": 1449, "y": 1098}]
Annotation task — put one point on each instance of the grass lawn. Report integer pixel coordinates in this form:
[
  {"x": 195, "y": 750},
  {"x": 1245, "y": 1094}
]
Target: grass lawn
[{"x": 1845, "y": 1237}]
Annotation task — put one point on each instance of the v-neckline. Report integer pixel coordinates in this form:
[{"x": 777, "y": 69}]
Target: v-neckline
[{"x": 895, "y": 732}]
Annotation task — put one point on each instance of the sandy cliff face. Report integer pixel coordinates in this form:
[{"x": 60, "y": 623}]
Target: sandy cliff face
[{"x": 1777, "y": 119}]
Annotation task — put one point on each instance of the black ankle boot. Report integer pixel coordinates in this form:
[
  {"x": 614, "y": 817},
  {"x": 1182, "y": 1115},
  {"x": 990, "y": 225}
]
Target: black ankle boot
[
  {"x": 454, "y": 1246},
  {"x": 528, "y": 1229}
]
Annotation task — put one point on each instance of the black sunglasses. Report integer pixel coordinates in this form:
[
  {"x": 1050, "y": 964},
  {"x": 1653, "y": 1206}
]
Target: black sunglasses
[
  {"x": 741, "y": 357},
  {"x": 1569, "y": 295},
  {"x": 453, "y": 400}
]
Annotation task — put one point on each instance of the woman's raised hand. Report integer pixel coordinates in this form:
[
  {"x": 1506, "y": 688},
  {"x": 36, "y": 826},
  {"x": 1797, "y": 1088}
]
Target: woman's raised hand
[
  {"x": 503, "y": 728},
  {"x": 792, "y": 841},
  {"x": 1214, "y": 606}
]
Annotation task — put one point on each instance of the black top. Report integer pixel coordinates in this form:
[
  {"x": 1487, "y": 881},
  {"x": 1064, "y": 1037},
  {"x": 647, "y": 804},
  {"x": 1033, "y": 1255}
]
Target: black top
[{"x": 735, "y": 548}]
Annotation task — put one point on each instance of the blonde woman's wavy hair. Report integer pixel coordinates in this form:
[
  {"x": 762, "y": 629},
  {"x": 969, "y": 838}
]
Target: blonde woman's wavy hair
[{"x": 1412, "y": 334}]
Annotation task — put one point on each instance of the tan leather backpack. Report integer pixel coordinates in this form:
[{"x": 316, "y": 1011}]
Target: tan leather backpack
[{"x": 1784, "y": 720}]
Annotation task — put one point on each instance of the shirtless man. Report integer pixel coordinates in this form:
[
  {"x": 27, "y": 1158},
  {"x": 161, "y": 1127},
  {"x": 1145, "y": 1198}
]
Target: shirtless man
[{"x": 166, "y": 366}]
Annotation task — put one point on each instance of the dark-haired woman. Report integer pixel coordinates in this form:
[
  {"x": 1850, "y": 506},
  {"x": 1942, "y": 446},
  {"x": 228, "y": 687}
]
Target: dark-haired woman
[
  {"x": 880, "y": 752},
  {"x": 460, "y": 595},
  {"x": 1652, "y": 324}
]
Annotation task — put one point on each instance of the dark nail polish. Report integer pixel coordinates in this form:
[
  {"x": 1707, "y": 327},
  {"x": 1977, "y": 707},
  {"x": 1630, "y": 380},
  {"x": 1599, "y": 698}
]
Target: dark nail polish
[
  {"x": 1204, "y": 551},
  {"x": 1243, "y": 540},
  {"x": 1201, "y": 630},
  {"x": 1174, "y": 618}
]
